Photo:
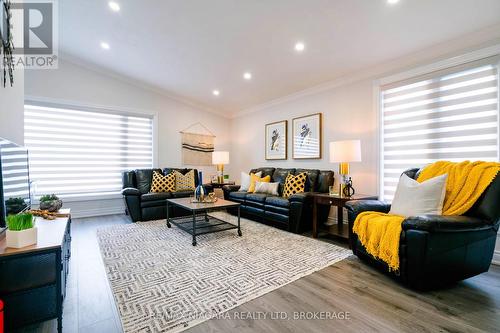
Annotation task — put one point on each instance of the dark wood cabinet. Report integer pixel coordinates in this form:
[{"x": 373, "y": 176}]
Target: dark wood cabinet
[
  {"x": 338, "y": 230},
  {"x": 33, "y": 278}
]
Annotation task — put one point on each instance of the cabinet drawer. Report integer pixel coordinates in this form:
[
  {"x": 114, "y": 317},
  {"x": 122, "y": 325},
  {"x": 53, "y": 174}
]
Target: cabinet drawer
[
  {"x": 30, "y": 306},
  {"x": 27, "y": 272}
]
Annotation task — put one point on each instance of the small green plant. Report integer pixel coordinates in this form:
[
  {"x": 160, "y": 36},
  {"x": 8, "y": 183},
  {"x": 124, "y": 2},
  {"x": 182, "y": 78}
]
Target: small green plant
[
  {"x": 15, "y": 205},
  {"x": 48, "y": 197},
  {"x": 20, "y": 222}
]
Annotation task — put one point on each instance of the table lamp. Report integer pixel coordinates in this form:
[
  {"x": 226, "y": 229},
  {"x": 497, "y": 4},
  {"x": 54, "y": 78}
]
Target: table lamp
[
  {"x": 344, "y": 152},
  {"x": 220, "y": 158}
]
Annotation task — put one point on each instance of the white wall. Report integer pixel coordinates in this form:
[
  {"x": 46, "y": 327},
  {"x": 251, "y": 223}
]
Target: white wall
[
  {"x": 349, "y": 112},
  {"x": 12, "y": 109},
  {"x": 75, "y": 84}
]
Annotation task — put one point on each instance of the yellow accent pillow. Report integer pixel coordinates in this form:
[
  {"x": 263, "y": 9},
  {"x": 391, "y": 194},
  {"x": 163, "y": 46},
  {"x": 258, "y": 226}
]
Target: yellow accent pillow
[
  {"x": 295, "y": 184},
  {"x": 162, "y": 183},
  {"x": 184, "y": 182},
  {"x": 254, "y": 179}
]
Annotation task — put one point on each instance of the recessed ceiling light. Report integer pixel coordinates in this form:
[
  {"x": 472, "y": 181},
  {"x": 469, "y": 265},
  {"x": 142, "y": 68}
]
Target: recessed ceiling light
[
  {"x": 114, "y": 6},
  {"x": 392, "y": 2},
  {"x": 105, "y": 46},
  {"x": 247, "y": 76},
  {"x": 299, "y": 47},
  {"x": 216, "y": 92}
]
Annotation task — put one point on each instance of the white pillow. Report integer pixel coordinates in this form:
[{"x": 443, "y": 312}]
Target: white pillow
[
  {"x": 413, "y": 198},
  {"x": 245, "y": 180},
  {"x": 267, "y": 188}
]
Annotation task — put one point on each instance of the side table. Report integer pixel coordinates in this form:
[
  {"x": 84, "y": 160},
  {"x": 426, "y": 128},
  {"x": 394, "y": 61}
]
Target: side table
[
  {"x": 217, "y": 188},
  {"x": 339, "y": 202}
]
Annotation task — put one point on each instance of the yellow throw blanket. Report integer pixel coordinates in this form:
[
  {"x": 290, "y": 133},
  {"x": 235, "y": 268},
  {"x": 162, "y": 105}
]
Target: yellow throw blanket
[{"x": 379, "y": 232}]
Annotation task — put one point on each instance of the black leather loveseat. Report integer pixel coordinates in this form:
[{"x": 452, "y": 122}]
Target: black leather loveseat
[
  {"x": 143, "y": 205},
  {"x": 438, "y": 250},
  {"x": 293, "y": 214}
]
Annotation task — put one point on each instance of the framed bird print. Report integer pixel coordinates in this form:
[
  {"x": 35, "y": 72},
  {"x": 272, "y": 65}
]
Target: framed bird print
[
  {"x": 307, "y": 137},
  {"x": 276, "y": 140}
]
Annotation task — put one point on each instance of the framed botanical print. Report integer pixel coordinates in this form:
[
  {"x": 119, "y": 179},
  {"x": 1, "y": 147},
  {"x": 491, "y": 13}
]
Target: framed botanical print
[
  {"x": 307, "y": 137},
  {"x": 276, "y": 140}
]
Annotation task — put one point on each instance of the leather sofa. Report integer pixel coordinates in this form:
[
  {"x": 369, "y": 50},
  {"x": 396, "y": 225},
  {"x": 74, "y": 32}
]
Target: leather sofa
[
  {"x": 293, "y": 214},
  {"x": 436, "y": 250},
  {"x": 145, "y": 206}
]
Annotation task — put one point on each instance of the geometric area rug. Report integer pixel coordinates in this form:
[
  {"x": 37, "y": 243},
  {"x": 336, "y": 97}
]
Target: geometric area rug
[{"x": 161, "y": 283}]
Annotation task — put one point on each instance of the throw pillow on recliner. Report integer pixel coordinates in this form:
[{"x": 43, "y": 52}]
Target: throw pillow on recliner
[
  {"x": 162, "y": 183},
  {"x": 294, "y": 184},
  {"x": 413, "y": 198}
]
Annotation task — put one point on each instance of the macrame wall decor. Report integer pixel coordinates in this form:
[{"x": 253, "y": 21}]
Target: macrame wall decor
[
  {"x": 197, "y": 146},
  {"x": 7, "y": 46}
]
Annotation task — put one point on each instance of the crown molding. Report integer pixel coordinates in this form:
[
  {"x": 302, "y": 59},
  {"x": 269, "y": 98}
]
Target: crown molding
[
  {"x": 484, "y": 41},
  {"x": 142, "y": 85}
]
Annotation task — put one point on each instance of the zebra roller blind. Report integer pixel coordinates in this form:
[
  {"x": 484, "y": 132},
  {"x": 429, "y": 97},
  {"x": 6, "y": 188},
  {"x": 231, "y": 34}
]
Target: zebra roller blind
[
  {"x": 77, "y": 153},
  {"x": 447, "y": 115}
]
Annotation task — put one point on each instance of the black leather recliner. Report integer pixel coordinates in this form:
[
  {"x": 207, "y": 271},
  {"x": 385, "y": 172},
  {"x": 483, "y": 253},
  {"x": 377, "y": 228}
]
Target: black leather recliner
[
  {"x": 145, "y": 206},
  {"x": 293, "y": 214},
  {"x": 438, "y": 250}
]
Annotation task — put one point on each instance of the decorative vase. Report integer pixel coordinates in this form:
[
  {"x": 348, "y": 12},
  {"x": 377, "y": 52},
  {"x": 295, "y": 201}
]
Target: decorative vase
[
  {"x": 51, "y": 206},
  {"x": 19, "y": 239},
  {"x": 199, "y": 192}
]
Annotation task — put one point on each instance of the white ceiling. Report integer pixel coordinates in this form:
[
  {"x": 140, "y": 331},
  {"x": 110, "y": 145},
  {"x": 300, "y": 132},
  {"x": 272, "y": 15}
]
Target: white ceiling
[{"x": 191, "y": 47}]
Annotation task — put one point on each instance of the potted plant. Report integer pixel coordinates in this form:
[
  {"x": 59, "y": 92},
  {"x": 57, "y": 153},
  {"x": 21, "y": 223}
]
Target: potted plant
[
  {"x": 15, "y": 205},
  {"x": 21, "y": 231},
  {"x": 50, "y": 202}
]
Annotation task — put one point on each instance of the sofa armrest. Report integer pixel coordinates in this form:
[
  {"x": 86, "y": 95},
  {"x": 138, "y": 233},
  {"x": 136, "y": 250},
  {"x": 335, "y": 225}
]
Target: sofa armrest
[
  {"x": 228, "y": 189},
  {"x": 131, "y": 191},
  {"x": 355, "y": 207},
  {"x": 440, "y": 223},
  {"x": 231, "y": 188},
  {"x": 208, "y": 188},
  {"x": 301, "y": 197}
]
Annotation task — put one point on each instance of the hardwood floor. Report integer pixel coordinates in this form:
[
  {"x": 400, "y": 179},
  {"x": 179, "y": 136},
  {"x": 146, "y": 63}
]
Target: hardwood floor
[{"x": 370, "y": 300}]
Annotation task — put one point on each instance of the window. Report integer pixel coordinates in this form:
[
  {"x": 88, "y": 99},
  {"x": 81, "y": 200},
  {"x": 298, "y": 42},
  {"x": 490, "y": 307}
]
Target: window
[
  {"x": 447, "y": 115},
  {"x": 76, "y": 153}
]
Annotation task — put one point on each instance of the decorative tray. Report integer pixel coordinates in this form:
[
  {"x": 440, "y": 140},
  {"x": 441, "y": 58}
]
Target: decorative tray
[{"x": 207, "y": 200}]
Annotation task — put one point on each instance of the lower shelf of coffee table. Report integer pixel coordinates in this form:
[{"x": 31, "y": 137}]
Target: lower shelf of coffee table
[{"x": 204, "y": 224}]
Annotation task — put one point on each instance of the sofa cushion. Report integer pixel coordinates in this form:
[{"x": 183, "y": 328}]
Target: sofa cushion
[
  {"x": 144, "y": 178},
  {"x": 265, "y": 171},
  {"x": 280, "y": 175},
  {"x": 238, "y": 196},
  {"x": 257, "y": 197},
  {"x": 154, "y": 203},
  {"x": 277, "y": 201},
  {"x": 156, "y": 196},
  {"x": 312, "y": 179},
  {"x": 182, "y": 194},
  {"x": 325, "y": 180}
]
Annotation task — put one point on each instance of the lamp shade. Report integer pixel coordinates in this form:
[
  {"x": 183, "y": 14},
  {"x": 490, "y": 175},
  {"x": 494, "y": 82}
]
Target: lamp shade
[
  {"x": 220, "y": 157},
  {"x": 345, "y": 151}
]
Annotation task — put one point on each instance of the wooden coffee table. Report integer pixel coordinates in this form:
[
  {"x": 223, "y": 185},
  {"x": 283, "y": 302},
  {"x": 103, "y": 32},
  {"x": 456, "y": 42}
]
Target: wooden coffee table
[{"x": 198, "y": 222}]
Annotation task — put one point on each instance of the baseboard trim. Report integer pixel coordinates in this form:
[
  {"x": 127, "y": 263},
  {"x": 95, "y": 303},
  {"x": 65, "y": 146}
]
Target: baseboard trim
[{"x": 96, "y": 212}]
